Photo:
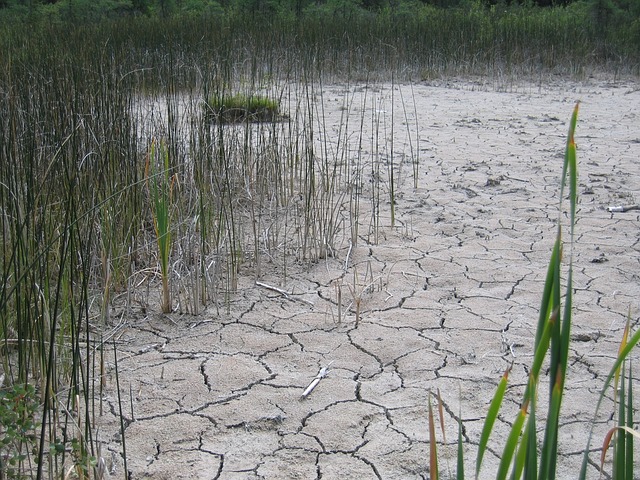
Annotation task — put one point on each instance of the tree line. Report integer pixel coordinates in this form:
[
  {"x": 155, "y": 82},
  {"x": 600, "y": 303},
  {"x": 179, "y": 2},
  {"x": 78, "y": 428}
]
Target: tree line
[{"x": 98, "y": 9}]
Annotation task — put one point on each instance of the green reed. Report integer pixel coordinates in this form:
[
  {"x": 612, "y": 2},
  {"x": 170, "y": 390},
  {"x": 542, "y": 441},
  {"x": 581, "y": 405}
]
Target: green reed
[
  {"x": 61, "y": 181},
  {"x": 160, "y": 181}
]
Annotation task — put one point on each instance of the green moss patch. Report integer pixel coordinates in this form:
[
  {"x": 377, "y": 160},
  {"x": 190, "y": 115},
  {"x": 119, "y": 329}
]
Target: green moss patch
[{"x": 241, "y": 108}]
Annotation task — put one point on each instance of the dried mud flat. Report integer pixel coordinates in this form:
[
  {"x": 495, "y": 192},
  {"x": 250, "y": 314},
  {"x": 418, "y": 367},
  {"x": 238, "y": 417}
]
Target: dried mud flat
[{"x": 449, "y": 299}]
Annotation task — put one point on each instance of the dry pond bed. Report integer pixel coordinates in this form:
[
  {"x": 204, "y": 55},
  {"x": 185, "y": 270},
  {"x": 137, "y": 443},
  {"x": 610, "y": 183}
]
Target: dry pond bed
[{"x": 448, "y": 299}]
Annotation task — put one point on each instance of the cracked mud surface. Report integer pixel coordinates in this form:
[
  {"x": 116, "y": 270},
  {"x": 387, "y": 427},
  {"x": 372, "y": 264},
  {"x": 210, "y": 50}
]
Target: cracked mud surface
[{"x": 449, "y": 298}]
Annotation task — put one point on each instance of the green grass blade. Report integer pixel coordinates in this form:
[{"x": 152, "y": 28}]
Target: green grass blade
[
  {"x": 460, "y": 463},
  {"x": 511, "y": 444},
  {"x": 623, "y": 343},
  {"x": 619, "y": 446},
  {"x": 566, "y": 327},
  {"x": 546, "y": 305},
  {"x": 562, "y": 330},
  {"x": 572, "y": 165},
  {"x": 549, "y": 448},
  {"x": 543, "y": 346},
  {"x": 560, "y": 342},
  {"x": 526, "y": 458},
  {"x": 629, "y": 424},
  {"x": 554, "y": 353},
  {"x": 520, "y": 459},
  {"x": 492, "y": 414},
  {"x": 570, "y": 145},
  {"x": 530, "y": 443}
]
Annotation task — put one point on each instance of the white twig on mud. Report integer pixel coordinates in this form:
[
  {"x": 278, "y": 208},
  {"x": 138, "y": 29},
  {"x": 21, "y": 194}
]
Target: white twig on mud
[
  {"x": 321, "y": 374},
  {"x": 346, "y": 261},
  {"x": 284, "y": 293},
  {"x": 623, "y": 208}
]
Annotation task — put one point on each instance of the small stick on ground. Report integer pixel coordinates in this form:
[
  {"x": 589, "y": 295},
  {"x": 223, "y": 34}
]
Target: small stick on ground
[
  {"x": 623, "y": 208},
  {"x": 321, "y": 374},
  {"x": 284, "y": 293}
]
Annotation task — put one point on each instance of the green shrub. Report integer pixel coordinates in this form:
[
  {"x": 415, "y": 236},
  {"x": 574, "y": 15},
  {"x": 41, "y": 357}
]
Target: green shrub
[{"x": 18, "y": 406}]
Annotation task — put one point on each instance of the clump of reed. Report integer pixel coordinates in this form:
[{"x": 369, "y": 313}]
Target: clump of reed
[
  {"x": 160, "y": 182},
  {"x": 70, "y": 198},
  {"x": 119, "y": 195}
]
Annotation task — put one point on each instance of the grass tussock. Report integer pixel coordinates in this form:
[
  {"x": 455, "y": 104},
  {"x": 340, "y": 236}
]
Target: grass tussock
[{"x": 242, "y": 108}]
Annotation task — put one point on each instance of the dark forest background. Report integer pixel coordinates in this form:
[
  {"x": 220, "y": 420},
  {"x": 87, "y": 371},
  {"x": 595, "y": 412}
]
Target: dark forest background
[{"x": 604, "y": 12}]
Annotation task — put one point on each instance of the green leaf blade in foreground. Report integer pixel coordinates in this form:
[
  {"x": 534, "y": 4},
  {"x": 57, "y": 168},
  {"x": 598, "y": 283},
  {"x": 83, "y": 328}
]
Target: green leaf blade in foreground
[
  {"x": 549, "y": 449},
  {"x": 511, "y": 443},
  {"x": 542, "y": 348},
  {"x": 619, "y": 445},
  {"x": 573, "y": 181},
  {"x": 561, "y": 328},
  {"x": 546, "y": 306},
  {"x": 527, "y": 456},
  {"x": 629, "y": 424},
  {"x": 460, "y": 463},
  {"x": 492, "y": 414},
  {"x": 571, "y": 145}
]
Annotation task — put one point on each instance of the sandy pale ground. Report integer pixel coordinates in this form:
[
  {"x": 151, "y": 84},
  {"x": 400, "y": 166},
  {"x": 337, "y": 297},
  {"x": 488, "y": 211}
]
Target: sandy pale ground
[{"x": 449, "y": 299}]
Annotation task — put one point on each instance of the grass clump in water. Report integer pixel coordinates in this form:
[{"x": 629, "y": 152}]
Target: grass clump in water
[{"x": 242, "y": 108}]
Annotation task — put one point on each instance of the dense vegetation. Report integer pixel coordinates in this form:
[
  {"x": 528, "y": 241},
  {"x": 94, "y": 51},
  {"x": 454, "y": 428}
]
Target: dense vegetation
[
  {"x": 421, "y": 38},
  {"x": 417, "y": 40},
  {"x": 101, "y": 8}
]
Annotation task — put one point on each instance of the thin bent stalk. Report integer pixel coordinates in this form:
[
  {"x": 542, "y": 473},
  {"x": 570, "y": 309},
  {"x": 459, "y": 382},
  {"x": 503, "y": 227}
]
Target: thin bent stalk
[
  {"x": 624, "y": 432},
  {"x": 433, "y": 449},
  {"x": 622, "y": 356}
]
